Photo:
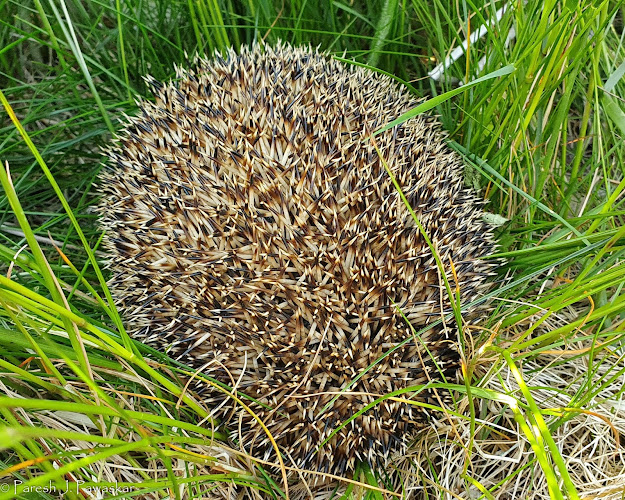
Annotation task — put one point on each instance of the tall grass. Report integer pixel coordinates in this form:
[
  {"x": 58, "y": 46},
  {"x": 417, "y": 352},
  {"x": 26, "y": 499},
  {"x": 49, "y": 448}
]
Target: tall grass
[{"x": 83, "y": 406}]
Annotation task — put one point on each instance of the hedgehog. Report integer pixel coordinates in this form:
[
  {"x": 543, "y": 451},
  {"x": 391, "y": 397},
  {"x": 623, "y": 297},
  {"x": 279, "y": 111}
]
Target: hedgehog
[{"x": 256, "y": 234}]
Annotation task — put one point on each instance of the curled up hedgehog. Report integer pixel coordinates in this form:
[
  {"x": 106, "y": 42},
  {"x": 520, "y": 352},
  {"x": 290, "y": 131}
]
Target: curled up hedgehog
[{"x": 255, "y": 233}]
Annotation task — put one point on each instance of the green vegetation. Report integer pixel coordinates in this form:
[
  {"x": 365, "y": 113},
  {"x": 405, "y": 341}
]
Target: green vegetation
[{"x": 541, "y": 412}]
